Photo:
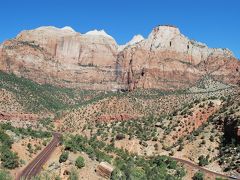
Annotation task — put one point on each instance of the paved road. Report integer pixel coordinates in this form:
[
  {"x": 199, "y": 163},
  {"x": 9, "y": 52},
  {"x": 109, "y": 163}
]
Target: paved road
[
  {"x": 35, "y": 166},
  {"x": 189, "y": 163}
]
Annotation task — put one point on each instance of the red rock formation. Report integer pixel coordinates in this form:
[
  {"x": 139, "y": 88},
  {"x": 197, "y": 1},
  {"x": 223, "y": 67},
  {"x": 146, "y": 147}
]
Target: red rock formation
[
  {"x": 169, "y": 60},
  {"x": 165, "y": 60},
  {"x": 18, "y": 116},
  {"x": 117, "y": 117}
]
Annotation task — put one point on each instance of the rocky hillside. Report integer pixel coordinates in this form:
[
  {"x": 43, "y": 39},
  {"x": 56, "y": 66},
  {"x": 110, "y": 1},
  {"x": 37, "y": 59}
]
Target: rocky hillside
[
  {"x": 23, "y": 96},
  {"x": 199, "y": 124},
  {"x": 165, "y": 60}
]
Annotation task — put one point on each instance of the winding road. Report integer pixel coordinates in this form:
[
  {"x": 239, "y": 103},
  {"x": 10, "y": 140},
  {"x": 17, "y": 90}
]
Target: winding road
[
  {"x": 35, "y": 166},
  {"x": 195, "y": 166}
]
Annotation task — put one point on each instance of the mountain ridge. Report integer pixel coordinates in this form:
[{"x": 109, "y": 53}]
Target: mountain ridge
[
  {"x": 69, "y": 28},
  {"x": 94, "y": 60}
]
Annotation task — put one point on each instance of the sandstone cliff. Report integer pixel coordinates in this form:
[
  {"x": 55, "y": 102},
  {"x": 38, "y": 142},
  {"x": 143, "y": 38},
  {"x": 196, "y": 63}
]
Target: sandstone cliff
[
  {"x": 168, "y": 60},
  {"x": 165, "y": 60}
]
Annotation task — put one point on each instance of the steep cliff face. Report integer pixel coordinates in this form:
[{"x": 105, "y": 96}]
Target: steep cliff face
[
  {"x": 63, "y": 57},
  {"x": 169, "y": 60},
  {"x": 165, "y": 60}
]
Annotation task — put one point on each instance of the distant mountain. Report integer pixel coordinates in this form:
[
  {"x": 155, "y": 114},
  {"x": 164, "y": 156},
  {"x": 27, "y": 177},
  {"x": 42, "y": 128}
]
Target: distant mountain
[{"x": 165, "y": 60}]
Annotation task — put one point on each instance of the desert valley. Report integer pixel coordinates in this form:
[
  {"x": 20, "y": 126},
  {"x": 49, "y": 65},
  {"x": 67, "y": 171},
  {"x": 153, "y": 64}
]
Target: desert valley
[{"x": 80, "y": 106}]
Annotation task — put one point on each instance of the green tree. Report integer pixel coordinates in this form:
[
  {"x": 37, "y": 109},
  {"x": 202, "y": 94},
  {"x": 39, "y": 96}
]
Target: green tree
[
  {"x": 117, "y": 174},
  {"x": 172, "y": 164},
  {"x": 73, "y": 174},
  {"x": 181, "y": 146},
  {"x": 5, "y": 139},
  {"x": 157, "y": 173},
  {"x": 137, "y": 174},
  {"x": 57, "y": 178},
  {"x": 218, "y": 178},
  {"x": 80, "y": 162},
  {"x": 203, "y": 161},
  {"x": 9, "y": 159},
  {"x": 198, "y": 176},
  {"x": 4, "y": 175},
  {"x": 63, "y": 157},
  {"x": 211, "y": 138}
]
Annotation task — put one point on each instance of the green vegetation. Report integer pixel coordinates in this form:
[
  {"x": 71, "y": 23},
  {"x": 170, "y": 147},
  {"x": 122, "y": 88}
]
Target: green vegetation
[
  {"x": 228, "y": 116},
  {"x": 127, "y": 165},
  {"x": 73, "y": 174},
  {"x": 144, "y": 129},
  {"x": 9, "y": 159},
  {"x": 63, "y": 157},
  {"x": 198, "y": 176},
  {"x": 26, "y": 132},
  {"x": 80, "y": 162},
  {"x": 35, "y": 97},
  {"x": 151, "y": 127},
  {"x": 118, "y": 174},
  {"x": 47, "y": 123},
  {"x": 203, "y": 161},
  {"x": 218, "y": 178},
  {"x": 41, "y": 176},
  {"x": 4, "y": 175}
]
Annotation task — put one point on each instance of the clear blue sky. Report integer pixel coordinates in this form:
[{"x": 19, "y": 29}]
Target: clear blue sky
[{"x": 215, "y": 22}]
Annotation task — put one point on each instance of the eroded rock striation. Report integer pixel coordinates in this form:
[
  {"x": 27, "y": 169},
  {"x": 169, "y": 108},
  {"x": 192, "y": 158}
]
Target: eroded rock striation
[{"x": 165, "y": 60}]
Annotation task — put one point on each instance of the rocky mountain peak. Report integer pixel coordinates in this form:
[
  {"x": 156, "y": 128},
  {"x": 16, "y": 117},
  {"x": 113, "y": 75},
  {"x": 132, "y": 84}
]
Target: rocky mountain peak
[
  {"x": 43, "y": 32},
  {"x": 165, "y": 33},
  {"x": 68, "y": 28},
  {"x": 166, "y": 30},
  {"x": 94, "y": 60},
  {"x": 98, "y": 33},
  {"x": 162, "y": 36},
  {"x": 136, "y": 39}
]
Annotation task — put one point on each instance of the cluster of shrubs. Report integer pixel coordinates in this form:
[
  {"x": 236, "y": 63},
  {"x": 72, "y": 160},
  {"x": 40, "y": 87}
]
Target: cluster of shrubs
[
  {"x": 35, "y": 97},
  {"x": 26, "y": 132},
  {"x": 144, "y": 129},
  {"x": 9, "y": 159},
  {"x": 128, "y": 166},
  {"x": 228, "y": 120}
]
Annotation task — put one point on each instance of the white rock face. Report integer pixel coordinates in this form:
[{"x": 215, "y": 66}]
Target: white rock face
[
  {"x": 98, "y": 33},
  {"x": 136, "y": 39},
  {"x": 66, "y": 43},
  {"x": 68, "y": 46},
  {"x": 169, "y": 38},
  {"x": 161, "y": 37},
  {"x": 68, "y": 28},
  {"x": 166, "y": 59},
  {"x": 46, "y": 36}
]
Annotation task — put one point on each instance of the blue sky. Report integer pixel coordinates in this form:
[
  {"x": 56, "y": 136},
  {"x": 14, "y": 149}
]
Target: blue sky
[{"x": 214, "y": 22}]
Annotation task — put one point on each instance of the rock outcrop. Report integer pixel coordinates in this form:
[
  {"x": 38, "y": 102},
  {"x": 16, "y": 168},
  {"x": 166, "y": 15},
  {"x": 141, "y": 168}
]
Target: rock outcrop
[
  {"x": 169, "y": 60},
  {"x": 105, "y": 169},
  {"x": 62, "y": 57},
  {"x": 116, "y": 117},
  {"x": 165, "y": 60}
]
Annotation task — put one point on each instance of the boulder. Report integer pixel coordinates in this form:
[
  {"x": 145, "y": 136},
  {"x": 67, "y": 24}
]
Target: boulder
[{"x": 104, "y": 169}]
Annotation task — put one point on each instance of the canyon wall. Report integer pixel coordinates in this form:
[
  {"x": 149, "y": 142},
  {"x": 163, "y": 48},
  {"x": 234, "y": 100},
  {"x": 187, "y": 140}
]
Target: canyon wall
[{"x": 165, "y": 60}]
